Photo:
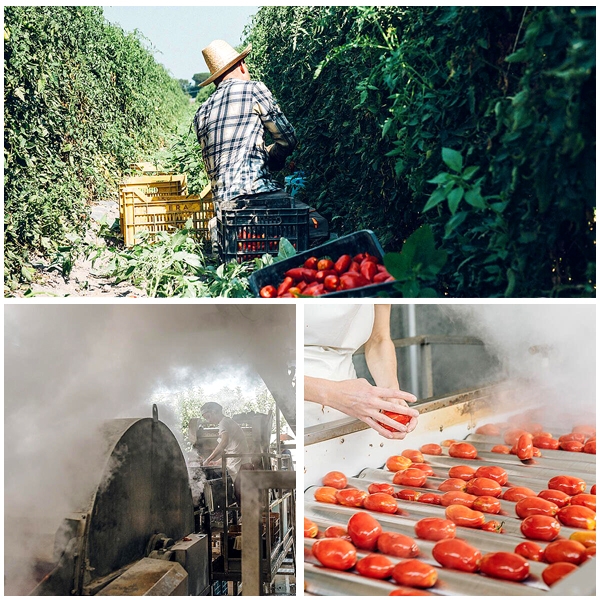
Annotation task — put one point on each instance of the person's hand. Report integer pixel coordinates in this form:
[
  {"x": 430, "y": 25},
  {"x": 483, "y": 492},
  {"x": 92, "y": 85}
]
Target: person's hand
[{"x": 358, "y": 398}]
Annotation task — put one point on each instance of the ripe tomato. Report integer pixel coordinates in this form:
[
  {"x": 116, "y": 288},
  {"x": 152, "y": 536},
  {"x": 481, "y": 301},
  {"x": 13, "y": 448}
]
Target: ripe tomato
[
  {"x": 268, "y": 292},
  {"x": 462, "y": 450},
  {"x": 525, "y": 446},
  {"x": 565, "y": 551},
  {"x": 325, "y": 264},
  {"x": 499, "y": 449},
  {"x": 331, "y": 282},
  {"x": 381, "y": 503},
  {"x": 530, "y": 550},
  {"x": 577, "y": 516},
  {"x": 482, "y": 486},
  {"x": 432, "y": 449},
  {"x": 567, "y": 484},
  {"x": 498, "y": 474},
  {"x": 423, "y": 468},
  {"x": 514, "y": 494},
  {"x": 593, "y": 490},
  {"x": 536, "y": 453},
  {"x": 546, "y": 443},
  {"x": 487, "y": 504},
  {"x": 406, "y": 591},
  {"x": 326, "y": 494},
  {"x": 540, "y": 527},
  {"x": 587, "y": 500},
  {"x": 364, "y": 530},
  {"x": 336, "y": 531},
  {"x": 335, "y": 553},
  {"x": 587, "y": 538},
  {"x": 512, "y": 435},
  {"x": 435, "y": 529},
  {"x": 555, "y": 572},
  {"x": 311, "y": 263},
  {"x": 336, "y": 480},
  {"x": 456, "y": 554},
  {"x": 570, "y": 437},
  {"x": 559, "y": 498},
  {"x": 429, "y": 498},
  {"x": 310, "y": 529},
  {"x": 571, "y": 446},
  {"x": 535, "y": 506},
  {"x": 489, "y": 429},
  {"x": 414, "y": 573},
  {"x": 398, "y": 417},
  {"x": 409, "y": 495},
  {"x": 456, "y": 497},
  {"x": 414, "y": 455},
  {"x": 397, "y": 463},
  {"x": 448, "y": 443},
  {"x": 384, "y": 488},
  {"x": 375, "y": 566},
  {"x": 396, "y": 544},
  {"x": 590, "y": 551},
  {"x": 461, "y": 472},
  {"x": 351, "y": 497},
  {"x": 505, "y": 565},
  {"x": 452, "y": 485},
  {"x": 411, "y": 477},
  {"x": 590, "y": 447},
  {"x": 464, "y": 516},
  {"x": 493, "y": 526}
]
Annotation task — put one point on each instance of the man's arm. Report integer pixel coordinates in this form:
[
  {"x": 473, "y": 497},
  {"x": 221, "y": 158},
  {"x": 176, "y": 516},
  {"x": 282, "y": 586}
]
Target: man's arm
[{"x": 216, "y": 453}]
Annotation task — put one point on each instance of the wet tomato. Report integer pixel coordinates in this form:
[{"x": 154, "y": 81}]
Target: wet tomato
[
  {"x": 335, "y": 531},
  {"x": 487, "y": 504},
  {"x": 381, "y": 503},
  {"x": 567, "y": 484},
  {"x": 540, "y": 527},
  {"x": 535, "y": 506},
  {"x": 512, "y": 435},
  {"x": 448, "y": 443},
  {"x": 593, "y": 490},
  {"x": 461, "y": 472},
  {"x": 464, "y": 516},
  {"x": 432, "y": 449},
  {"x": 536, "y": 452},
  {"x": 590, "y": 447},
  {"x": 429, "y": 498},
  {"x": 411, "y": 477},
  {"x": 525, "y": 446},
  {"x": 325, "y": 264},
  {"x": 545, "y": 443},
  {"x": 414, "y": 573},
  {"x": 385, "y": 488},
  {"x": 514, "y": 494},
  {"x": 435, "y": 529},
  {"x": 409, "y": 495},
  {"x": 555, "y": 572},
  {"x": 423, "y": 468},
  {"x": 577, "y": 516},
  {"x": 571, "y": 446},
  {"x": 531, "y": 551},
  {"x": 326, "y": 494},
  {"x": 456, "y": 554},
  {"x": 268, "y": 292},
  {"x": 564, "y": 551},
  {"x": 335, "y": 553},
  {"x": 398, "y": 417},
  {"x": 587, "y": 538},
  {"x": 351, "y": 497},
  {"x": 397, "y": 463},
  {"x": 452, "y": 485},
  {"x": 310, "y": 529},
  {"x": 414, "y": 455},
  {"x": 488, "y": 430},
  {"x": 498, "y": 474},
  {"x": 336, "y": 480},
  {"x": 406, "y": 591},
  {"x": 572, "y": 437},
  {"x": 493, "y": 526},
  {"x": 590, "y": 551},
  {"x": 505, "y": 565},
  {"x": 483, "y": 486},
  {"x": 500, "y": 449},
  {"x": 364, "y": 530},
  {"x": 397, "y": 544},
  {"x": 559, "y": 498},
  {"x": 455, "y": 497},
  {"x": 462, "y": 450},
  {"x": 311, "y": 263},
  {"x": 587, "y": 500},
  {"x": 375, "y": 566}
]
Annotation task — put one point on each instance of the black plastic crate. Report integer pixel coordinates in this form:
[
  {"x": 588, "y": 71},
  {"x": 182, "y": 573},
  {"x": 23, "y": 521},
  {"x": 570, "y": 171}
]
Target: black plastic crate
[
  {"x": 352, "y": 244},
  {"x": 248, "y": 233}
]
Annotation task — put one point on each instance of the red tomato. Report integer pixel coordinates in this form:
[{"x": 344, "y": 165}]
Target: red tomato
[
  {"x": 590, "y": 551},
  {"x": 337, "y": 532},
  {"x": 398, "y": 417},
  {"x": 569, "y": 437},
  {"x": 423, "y": 468},
  {"x": 482, "y": 486},
  {"x": 268, "y": 292},
  {"x": 493, "y": 526},
  {"x": 587, "y": 500},
  {"x": 505, "y": 565},
  {"x": 375, "y": 566},
  {"x": 435, "y": 529},
  {"x": 487, "y": 504},
  {"x": 384, "y": 488},
  {"x": 342, "y": 264},
  {"x": 546, "y": 443},
  {"x": 559, "y": 498},
  {"x": 285, "y": 285},
  {"x": 310, "y": 529},
  {"x": 414, "y": 573},
  {"x": 590, "y": 447},
  {"x": 368, "y": 270},
  {"x": 488, "y": 430},
  {"x": 514, "y": 494},
  {"x": 381, "y": 503},
  {"x": 364, "y": 530},
  {"x": 414, "y": 455},
  {"x": 593, "y": 490},
  {"x": 577, "y": 516},
  {"x": 530, "y": 550},
  {"x": 325, "y": 264},
  {"x": 464, "y": 516},
  {"x": 351, "y": 497},
  {"x": 456, "y": 497},
  {"x": 406, "y": 591},
  {"x": 512, "y": 435},
  {"x": 432, "y": 449},
  {"x": 430, "y": 498},
  {"x": 336, "y": 480},
  {"x": 335, "y": 553},
  {"x": 452, "y": 485},
  {"x": 456, "y": 554},
  {"x": 461, "y": 472},
  {"x": 311, "y": 263},
  {"x": 409, "y": 495},
  {"x": 571, "y": 446},
  {"x": 326, "y": 494},
  {"x": 448, "y": 443},
  {"x": 567, "y": 484},
  {"x": 540, "y": 527},
  {"x": 499, "y": 449},
  {"x": 535, "y": 506},
  {"x": 498, "y": 474},
  {"x": 536, "y": 452},
  {"x": 565, "y": 551},
  {"x": 354, "y": 267},
  {"x": 525, "y": 446},
  {"x": 351, "y": 280},
  {"x": 411, "y": 477},
  {"x": 555, "y": 572},
  {"x": 462, "y": 450},
  {"x": 331, "y": 283},
  {"x": 396, "y": 544},
  {"x": 397, "y": 463}
]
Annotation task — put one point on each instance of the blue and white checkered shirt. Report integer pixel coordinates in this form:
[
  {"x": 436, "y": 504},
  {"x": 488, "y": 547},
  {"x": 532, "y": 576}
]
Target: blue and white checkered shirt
[{"x": 231, "y": 127}]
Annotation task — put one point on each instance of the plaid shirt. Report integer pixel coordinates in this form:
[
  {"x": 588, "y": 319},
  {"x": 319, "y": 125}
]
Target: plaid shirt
[{"x": 230, "y": 127}]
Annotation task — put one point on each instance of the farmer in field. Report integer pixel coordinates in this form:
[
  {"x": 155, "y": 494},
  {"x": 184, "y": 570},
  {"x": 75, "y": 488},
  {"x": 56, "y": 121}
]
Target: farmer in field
[{"x": 231, "y": 127}]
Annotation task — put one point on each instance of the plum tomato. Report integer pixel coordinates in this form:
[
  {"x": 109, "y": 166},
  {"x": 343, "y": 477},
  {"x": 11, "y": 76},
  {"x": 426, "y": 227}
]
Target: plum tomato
[
  {"x": 571, "y": 446},
  {"x": 398, "y": 417},
  {"x": 311, "y": 263},
  {"x": 325, "y": 264},
  {"x": 587, "y": 538},
  {"x": 461, "y": 472},
  {"x": 423, "y": 468},
  {"x": 564, "y": 551},
  {"x": 414, "y": 573},
  {"x": 572, "y": 437},
  {"x": 431, "y": 449},
  {"x": 580, "y": 517},
  {"x": 397, "y": 463},
  {"x": 397, "y": 544},
  {"x": 384, "y": 488},
  {"x": 512, "y": 435},
  {"x": 488, "y": 429},
  {"x": 593, "y": 490},
  {"x": 483, "y": 486},
  {"x": 435, "y": 529},
  {"x": 457, "y": 554},
  {"x": 342, "y": 264},
  {"x": 452, "y": 485},
  {"x": 535, "y": 506},
  {"x": 559, "y": 498},
  {"x": 375, "y": 566},
  {"x": 335, "y": 531},
  {"x": 409, "y": 495},
  {"x": 351, "y": 497},
  {"x": 530, "y": 550},
  {"x": 525, "y": 446},
  {"x": 540, "y": 527},
  {"x": 505, "y": 565},
  {"x": 498, "y": 474},
  {"x": 448, "y": 443},
  {"x": 268, "y": 292},
  {"x": 414, "y": 455},
  {"x": 326, "y": 494},
  {"x": 590, "y": 447},
  {"x": 514, "y": 494},
  {"x": 590, "y": 551},
  {"x": 411, "y": 477},
  {"x": 462, "y": 450},
  {"x": 364, "y": 530},
  {"x": 335, "y": 479},
  {"x": 556, "y": 571},
  {"x": 429, "y": 498},
  {"x": 381, "y": 503},
  {"x": 464, "y": 516},
  {"x": 500, "y": 449},
  {"x": 310, "y": 529},
  {"x": 407, "y": 591},
  {"x": 587, "y": 500},
  {"x": 545, "y": 443},
  {"x": 487, "y": 504},
  {"x": 456, "y": 497},
  {"x": 567, "y": 484},
  {"x": 335, "y": 553},
  {"x": 536, "y": 452},
  {"x": 492, "y": 526},
  {"x": 331, "y": 282}
]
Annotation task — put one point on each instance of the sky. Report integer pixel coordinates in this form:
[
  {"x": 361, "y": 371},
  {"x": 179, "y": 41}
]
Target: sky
[{"x": 179, "y": 33}]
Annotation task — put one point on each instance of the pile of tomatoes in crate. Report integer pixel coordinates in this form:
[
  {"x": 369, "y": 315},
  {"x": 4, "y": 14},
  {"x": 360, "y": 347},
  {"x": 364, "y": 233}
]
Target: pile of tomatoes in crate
[{"x": 318, "y": 277}]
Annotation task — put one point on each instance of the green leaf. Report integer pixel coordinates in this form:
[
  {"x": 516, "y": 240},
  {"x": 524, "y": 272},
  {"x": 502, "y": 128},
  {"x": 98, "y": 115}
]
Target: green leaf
[
  {"x": 453, "y": 159},
  {"x": 410, "y": 289},
  {"x": 520, "y": 55},
  {"x": 441, "y": 178},
  {"x": 454, "y": 198},
  {"x": 191, "y": 259},
  {"x": 469, "y": 172},
  {"x": 512, "y": 282},
  {"x": 286, "y": 250},
  {"x": 438, "y": 196},
  {"x": 19, "y": 93},
  {"x": 455, "y": 221},
  {"x": 427, "y": 292},
  {"x": 474, "y": 198}
]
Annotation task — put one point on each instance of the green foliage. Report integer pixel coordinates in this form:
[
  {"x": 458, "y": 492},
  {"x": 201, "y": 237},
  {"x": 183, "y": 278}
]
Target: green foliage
[{"x": 390, "y": 101}]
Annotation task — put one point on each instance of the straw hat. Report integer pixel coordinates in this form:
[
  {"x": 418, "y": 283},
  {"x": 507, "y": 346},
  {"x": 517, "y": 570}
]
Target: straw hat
[{"x": 220, "y": 56}]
